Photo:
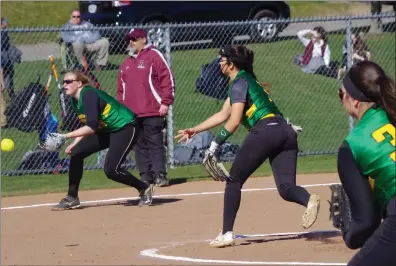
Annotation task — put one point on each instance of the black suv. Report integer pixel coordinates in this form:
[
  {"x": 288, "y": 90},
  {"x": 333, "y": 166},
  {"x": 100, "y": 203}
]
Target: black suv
[{"x": 158, "y": 12}]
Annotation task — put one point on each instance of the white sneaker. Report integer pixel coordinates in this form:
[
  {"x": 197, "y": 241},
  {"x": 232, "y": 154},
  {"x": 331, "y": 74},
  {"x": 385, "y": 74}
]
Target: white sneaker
[
  {"x": 223, "y": 240},
  {"x": 311, "y": 213}
]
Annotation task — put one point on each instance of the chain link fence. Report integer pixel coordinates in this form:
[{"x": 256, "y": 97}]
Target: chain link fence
[{"x": 307, "y": 96}]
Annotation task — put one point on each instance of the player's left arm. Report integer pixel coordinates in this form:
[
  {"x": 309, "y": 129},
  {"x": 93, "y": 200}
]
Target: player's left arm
[
  {"x": 81, "y": 132},
  {"x": 238, "y": 100},
  {"x": 92, "y": 108},
  {"x": 235, "y": 118},
  {"x": 365, "y": 213}
]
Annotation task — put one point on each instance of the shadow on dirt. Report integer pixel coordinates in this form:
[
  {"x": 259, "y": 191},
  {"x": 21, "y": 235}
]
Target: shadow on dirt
[
  {"x": 130, "y": 203},
  {"x": 156, "y": 201},
  {"x": 323, "y": 236}
]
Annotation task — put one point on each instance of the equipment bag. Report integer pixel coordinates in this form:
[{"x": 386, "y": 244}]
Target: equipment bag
[
  {"x": 26, "y": 110},
  {"x": 212, "y": 82}
]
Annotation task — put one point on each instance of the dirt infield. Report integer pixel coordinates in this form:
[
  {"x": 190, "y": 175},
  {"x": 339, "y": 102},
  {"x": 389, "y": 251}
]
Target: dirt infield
[{"x": 173, "y": 231}]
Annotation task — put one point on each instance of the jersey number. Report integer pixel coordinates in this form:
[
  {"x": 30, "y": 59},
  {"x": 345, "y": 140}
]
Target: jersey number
[{"x": 379, "y": 136}]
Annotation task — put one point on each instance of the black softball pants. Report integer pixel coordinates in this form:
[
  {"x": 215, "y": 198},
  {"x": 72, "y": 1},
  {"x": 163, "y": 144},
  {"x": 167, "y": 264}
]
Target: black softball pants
[
  {"x": 270, "y": 138},
  {"x": 380, "y": 248},
  {"x": 119, "y": 143},
  {"x": 150, "y": 150}
]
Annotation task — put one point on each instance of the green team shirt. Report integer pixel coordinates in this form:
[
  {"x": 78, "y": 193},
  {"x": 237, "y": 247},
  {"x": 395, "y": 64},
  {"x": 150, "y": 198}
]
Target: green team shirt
[
  {"x": 114, "y": 115},
  {"x": 372, "y": 142},
  {"x": 245, "y": 88}
]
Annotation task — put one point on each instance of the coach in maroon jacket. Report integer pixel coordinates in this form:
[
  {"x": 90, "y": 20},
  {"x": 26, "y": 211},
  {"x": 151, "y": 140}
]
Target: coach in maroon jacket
[{"x": 146, "y": 86}]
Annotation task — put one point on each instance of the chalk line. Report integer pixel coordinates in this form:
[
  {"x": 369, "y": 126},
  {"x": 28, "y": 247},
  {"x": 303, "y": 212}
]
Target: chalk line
[
  {"x": 156, "y": 196},
  {"x": 153, "y": 253}
]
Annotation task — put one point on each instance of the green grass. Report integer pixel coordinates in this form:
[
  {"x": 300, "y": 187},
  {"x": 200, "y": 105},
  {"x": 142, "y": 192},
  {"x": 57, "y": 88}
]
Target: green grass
[
  {"x": 309, "y": 100},
  {"x": 56, "y": 13},
  {"x": 39, "y": 184},
  {"x": 37, "y": 13},
  {"x": 300, "y": 9}
]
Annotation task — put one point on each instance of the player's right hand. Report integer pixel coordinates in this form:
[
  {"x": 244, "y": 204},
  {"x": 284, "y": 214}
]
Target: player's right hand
[{"x": 185, "y": 134}]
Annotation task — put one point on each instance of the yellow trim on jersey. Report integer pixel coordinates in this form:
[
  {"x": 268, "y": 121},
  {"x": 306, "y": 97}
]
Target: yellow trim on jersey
[
  {"x": 250, "y": 111},
  {"x": 253, "y": 108},
  {"x": 371, "y": 183},
  {"x": 106, "y": 110},
  {"x": 82, "y": 119},
  {"x": 266, "y": 116}
]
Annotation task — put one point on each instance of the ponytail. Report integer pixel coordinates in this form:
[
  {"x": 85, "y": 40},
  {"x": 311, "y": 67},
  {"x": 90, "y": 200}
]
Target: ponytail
[
  {"x": 249, "y": 54},
  {"x": 249, "y": 59},
  {"x": 266, "y": 86},
  {"x": 388, "y": 97},
  {"x": 249, "y": 69}
]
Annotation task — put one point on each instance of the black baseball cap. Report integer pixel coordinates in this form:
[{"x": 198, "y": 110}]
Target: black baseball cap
[{"x": 225, "y": 51}]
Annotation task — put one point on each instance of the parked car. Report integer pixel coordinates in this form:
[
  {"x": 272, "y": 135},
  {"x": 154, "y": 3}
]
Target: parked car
[{"x": 158, "y": 12}]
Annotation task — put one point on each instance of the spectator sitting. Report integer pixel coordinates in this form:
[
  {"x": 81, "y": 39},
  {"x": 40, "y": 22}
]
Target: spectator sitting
[
  {"x": 82, "y": 39},
  {"x": 361, "y": 52},
  {"x": 10, "y": 55},
  {"x": 317, "y": 51}
]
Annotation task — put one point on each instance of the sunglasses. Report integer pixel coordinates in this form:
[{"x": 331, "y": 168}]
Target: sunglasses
[
  {"x": 69, "y": 81},
  {"x": 134, "y": 39},
  {"x": 75, "y": 16},
  {"x": 341, "y": 94}
]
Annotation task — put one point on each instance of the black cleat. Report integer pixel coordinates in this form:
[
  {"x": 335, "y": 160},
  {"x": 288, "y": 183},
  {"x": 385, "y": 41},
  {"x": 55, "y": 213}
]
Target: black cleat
[
  {"x": 146, "y": 196},
  {"x": 67, "y": 203}
]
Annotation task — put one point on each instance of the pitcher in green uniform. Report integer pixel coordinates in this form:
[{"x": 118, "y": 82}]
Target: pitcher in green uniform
[
  {"x": 270, "y": 136},
  {"x": 108, "y": 124},
  {"x": 367, "y": 164}
]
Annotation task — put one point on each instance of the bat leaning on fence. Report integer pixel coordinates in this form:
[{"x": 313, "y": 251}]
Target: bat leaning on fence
[
  {"x": 48, "y": 83},
  {"x": 61, "y": 95}
]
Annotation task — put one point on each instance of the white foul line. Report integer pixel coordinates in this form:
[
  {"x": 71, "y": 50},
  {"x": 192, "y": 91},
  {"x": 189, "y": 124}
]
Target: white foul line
[
  {"x": 153, "y": 253},
  {"x": 158, "y": 196}
]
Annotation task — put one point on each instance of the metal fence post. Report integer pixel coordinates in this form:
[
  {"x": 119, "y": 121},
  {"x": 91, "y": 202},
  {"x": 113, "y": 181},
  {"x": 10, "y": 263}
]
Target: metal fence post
[
  {"x": 349, "y": 48},
  {"x": 169, "y": 125}
]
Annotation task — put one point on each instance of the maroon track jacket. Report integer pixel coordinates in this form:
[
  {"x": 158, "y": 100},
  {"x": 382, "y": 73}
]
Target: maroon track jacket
[{"x": 145, "y": 82}]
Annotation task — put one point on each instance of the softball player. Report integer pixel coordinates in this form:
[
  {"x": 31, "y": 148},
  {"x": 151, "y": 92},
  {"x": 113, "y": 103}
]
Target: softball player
[
  {"x": 108, "y": 124},
  {"x": 270, "y": 136},
  {"x": 367, "y": 164}
]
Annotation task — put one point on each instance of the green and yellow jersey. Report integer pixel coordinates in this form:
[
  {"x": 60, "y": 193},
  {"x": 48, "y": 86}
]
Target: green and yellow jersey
[
  {"x": 259, "y": 105},
  {"x": 108, "y": 114},
  {"x": 373, "y": 143}
]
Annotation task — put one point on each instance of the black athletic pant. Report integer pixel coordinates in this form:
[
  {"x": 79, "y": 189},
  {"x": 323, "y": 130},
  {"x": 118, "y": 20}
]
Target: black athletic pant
[
  {"x": 119, "y": 143},
  {"x": 380, "y": 248},
  {"x": 270, "y": 138},
  {"x": 150, "y": 149}
]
